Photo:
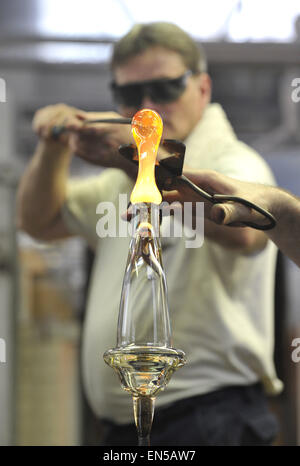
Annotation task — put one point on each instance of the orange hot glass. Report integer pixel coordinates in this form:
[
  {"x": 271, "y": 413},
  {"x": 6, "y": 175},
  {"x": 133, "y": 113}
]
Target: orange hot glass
[{"x": 147, "y": 130}]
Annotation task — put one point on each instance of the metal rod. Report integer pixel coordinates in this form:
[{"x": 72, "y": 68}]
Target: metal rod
[
  {"x": 58, "y": 130},
  {"x": 120, "y": 121}
]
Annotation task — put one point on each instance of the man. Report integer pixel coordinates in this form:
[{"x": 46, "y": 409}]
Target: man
[
  {"x": 280, "y": 203},
  {"x": 220, "y": 295}
]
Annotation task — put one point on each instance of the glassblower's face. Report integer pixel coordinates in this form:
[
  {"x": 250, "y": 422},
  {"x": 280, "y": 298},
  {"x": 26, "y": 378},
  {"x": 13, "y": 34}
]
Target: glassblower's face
[{"x": 180, "y": 116}]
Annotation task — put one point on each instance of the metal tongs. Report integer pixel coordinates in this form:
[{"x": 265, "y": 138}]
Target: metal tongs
[{"x": 170, "y": 167}]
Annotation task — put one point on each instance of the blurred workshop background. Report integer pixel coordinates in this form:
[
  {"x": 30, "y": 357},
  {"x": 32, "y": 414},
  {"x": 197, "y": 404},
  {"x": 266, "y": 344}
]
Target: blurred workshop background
[{"x": 58, "y": 51}]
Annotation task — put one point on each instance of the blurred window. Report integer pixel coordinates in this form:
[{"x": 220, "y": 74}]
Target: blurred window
[{"x": 235, "y": 20}]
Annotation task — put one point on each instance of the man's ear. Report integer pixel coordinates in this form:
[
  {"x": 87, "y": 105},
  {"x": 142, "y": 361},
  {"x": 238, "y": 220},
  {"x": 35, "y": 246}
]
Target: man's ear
[{"x": 205, "y": 86}]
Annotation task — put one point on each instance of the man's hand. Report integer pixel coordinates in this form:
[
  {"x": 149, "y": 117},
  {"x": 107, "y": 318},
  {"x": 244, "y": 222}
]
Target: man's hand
[
  {"x": 245, "y": 240},
  {"x": 229, "y": 212},
  {"x": 46, "y": 118},
  {"x": 283, "y": 205},
  {"x": 98, "y": 143}
]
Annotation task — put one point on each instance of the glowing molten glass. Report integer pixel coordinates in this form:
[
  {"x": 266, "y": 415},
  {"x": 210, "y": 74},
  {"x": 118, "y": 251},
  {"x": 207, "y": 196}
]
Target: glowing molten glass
[{"x": 147, "y": 127}]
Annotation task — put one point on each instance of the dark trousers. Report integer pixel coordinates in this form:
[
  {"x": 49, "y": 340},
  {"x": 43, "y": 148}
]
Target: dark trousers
[{"x": 236, "y": 416}]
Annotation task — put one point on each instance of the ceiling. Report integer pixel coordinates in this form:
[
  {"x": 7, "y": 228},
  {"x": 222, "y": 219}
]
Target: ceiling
[{"x": 230, "y": 20}]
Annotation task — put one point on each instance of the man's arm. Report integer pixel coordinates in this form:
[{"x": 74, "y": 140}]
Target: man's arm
[
  {"x": 284, "y": 206},
  {"x": 42, "y": 192},
  {"x": 243, "y": 240},
  {"x": 286, "y": 209}
]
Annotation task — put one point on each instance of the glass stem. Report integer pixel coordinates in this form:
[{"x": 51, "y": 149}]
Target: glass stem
[
  {"x": 143, "y": 408},
  {"x": 144, "y": 441}
]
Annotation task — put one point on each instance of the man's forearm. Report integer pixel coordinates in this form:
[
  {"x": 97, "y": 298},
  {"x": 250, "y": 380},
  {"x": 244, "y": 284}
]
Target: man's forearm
[
  {"x": 42, "y": 190},
  {"x": 284, "y": 206},
  {"x": 286, "y": 235}
]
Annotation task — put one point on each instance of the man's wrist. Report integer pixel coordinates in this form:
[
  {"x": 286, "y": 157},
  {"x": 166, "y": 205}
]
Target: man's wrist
[
  {"x": 52, "y": 148},
  {"x": 285, "y": 207},
  {"x": 279, "y": 202}
]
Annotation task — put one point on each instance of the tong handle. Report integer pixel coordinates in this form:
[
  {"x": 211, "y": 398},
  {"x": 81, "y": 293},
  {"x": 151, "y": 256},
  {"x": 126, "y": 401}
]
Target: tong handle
[{"x": 221, "y": 198}]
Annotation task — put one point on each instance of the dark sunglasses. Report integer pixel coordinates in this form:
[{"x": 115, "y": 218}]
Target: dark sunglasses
[{"x": 160, "y": 91}]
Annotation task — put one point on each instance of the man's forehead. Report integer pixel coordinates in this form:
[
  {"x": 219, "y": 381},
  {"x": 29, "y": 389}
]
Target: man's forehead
[{"x": 153, "y": 63}]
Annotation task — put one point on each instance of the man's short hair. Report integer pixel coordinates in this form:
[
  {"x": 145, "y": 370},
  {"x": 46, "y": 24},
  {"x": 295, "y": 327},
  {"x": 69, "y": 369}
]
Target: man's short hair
[{"x": 163, "y": 34}]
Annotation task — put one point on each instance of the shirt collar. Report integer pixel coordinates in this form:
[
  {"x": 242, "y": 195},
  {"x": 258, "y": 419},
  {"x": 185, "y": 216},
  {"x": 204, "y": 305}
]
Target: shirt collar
[{"x": 210, "y": 134}]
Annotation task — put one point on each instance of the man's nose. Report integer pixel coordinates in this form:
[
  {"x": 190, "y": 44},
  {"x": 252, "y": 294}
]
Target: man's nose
[{"x": 147, "y": 102}]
